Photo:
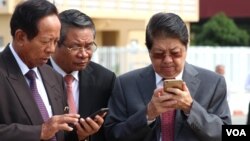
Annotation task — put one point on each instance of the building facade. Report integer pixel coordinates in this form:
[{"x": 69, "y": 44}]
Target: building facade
[{"x": 118, "y": 22}]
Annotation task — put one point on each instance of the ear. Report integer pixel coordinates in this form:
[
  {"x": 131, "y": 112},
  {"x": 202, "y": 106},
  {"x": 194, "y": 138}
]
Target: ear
[{"x": 20, "y": 37}]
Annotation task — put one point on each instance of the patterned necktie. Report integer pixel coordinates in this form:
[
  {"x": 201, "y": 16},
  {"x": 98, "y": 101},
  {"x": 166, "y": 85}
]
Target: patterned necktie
[
  {"x": 167, "y": 124},
  {"x": 68, "y": 80},
  {"x": 31, "y": 75}
]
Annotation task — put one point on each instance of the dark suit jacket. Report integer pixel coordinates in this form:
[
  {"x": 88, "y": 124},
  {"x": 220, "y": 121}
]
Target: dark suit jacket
[
  {"x": 20, "y": 119},
  {"x": 95, "y": 87},
  {"x": 132, "y": 92}
]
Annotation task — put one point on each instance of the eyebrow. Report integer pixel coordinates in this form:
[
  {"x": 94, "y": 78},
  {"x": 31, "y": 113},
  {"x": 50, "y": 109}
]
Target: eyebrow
[{"x": 160, "y": 49}]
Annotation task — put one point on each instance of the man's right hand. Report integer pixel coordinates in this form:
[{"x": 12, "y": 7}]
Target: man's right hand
[
  {"x": 159, "y": 103},
  {"x": 56, "y": 123}
]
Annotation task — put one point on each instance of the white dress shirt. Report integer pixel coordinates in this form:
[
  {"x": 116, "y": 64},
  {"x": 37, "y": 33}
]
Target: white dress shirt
[
  {"x": 75, "y": 83},
  {"x": 39, "y": 82}
]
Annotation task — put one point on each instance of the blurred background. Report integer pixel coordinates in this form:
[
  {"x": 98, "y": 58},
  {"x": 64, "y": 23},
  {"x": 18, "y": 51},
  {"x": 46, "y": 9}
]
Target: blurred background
[{"x": 219, "y": 34}]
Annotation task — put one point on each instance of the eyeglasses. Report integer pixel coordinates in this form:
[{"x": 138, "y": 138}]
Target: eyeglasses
[
  {"x": 89, "y": 48},
  {"x": 162, "y": 54}
]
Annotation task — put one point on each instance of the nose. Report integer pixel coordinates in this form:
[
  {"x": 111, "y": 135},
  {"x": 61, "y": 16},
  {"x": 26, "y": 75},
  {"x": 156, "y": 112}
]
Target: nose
[
  {"x": 82, "y": 49},
  {"x": 51, "y": 47},
  {"x": 168, "y": 58},
  {"x": 83, "y": 52}
]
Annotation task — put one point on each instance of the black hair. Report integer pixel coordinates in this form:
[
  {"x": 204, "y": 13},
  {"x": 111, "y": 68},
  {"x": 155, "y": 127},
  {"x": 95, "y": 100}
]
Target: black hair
[
  {"x": 166, "y": 25},
  {"x": 74, "y": 18},
  {"x": 28, "y": 13}
]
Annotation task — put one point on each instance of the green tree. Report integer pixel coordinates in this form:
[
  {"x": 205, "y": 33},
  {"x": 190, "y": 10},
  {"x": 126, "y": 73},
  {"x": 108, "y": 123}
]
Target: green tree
[{"x": 221, "y": 31}]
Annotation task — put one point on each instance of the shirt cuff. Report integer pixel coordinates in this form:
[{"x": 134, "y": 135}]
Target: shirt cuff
[{"x": 149, "y": 121}]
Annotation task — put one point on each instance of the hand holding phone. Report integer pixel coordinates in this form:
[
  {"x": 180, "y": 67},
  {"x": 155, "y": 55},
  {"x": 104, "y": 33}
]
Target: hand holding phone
[
  {"x": 99, "y": 112},
  {"x": 172, "y": 83}
]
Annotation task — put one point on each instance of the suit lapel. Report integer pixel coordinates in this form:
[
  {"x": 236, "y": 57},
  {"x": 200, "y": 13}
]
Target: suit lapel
[
  {"x": 21, "y": 88},
  {"x": 189, "y": 76},
  {"x": 52, "y": 91},
  {"x": 146, "y": 83},
  {"x": 192, "y": 82},
  {"x": 86, "y": 83}
]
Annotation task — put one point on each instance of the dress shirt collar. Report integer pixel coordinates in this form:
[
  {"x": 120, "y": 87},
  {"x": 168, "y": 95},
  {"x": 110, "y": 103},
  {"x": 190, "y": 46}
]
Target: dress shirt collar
[
  {"x": 61, "y": 71},
  {"x": 24, "y": 68},
  {"x": 158, "y": 78}
]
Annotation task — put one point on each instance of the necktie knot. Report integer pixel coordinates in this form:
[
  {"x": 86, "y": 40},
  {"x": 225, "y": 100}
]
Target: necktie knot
[
  {"x": 31, "y": 75},
  {"x": 166, "y": 79},
  {"x": 68, "y": 79}
]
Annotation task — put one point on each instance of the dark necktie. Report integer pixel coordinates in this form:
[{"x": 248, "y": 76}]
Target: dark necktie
[
  {"x": 31, "y": 75},
  {"x": 69, "y": 80},
  {"x": 167, "y": 125}
]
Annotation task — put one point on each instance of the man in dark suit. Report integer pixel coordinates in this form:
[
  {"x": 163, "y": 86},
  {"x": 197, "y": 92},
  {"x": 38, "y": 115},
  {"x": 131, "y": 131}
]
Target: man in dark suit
[
  {"x": 141, "y": 110},
  {"x": 32, "y": 109},
  {"x": 92, "y": 83}
]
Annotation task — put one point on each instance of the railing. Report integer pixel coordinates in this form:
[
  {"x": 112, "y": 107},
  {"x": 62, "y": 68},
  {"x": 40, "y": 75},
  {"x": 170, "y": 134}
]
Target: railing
[{"x": 235, "y": 59}]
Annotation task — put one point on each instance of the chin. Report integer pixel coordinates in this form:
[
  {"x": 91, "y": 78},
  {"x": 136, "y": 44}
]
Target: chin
[
  {"x": 78, "y": 68},
  {"x": 169, "y": 75}
]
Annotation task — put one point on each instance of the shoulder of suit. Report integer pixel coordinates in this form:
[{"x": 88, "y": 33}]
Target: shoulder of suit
[
  {"x": 96, "y": 66},
  {"x": 202, "y": 71},
  {"x": 140, "y": 71},
  {"x": 49, "y": 69}
]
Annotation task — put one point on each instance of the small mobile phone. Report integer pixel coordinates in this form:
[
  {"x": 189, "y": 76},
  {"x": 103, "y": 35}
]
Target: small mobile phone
[
  {"x": 172, "y": 83},
  {"x": 99, "y": 112}
]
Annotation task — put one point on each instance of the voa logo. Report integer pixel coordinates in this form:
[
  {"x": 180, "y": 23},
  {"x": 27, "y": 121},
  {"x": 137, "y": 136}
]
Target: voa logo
[{"x": 236, "y": 132}]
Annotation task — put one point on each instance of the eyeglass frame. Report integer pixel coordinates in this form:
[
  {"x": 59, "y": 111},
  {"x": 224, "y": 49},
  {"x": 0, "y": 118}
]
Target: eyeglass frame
[
  {"x": 162, "y": 54},
  {"x": 78, "y": 48}
]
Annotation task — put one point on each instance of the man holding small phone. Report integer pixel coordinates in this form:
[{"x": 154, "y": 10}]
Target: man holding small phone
[
  {"x": 88, "y": 84},
  {"x": 152, "y": 104}
]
